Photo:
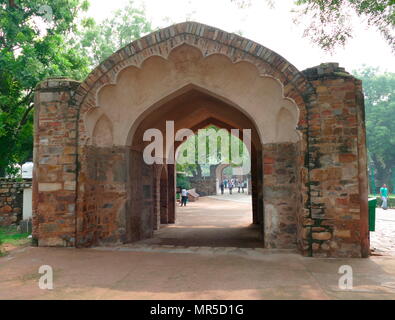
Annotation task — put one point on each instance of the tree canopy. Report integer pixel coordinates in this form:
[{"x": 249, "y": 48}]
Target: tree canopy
[
  {"x": 44, "y": 38},
  {"x": 99, "y": 40},
  {"x": 328, "y": 23},
  {"x": 33, "y": 46},
  {"x": 379, "y": 90},
  {"x": 41, "y": 39},
  {"x": 225, "y": 143}
]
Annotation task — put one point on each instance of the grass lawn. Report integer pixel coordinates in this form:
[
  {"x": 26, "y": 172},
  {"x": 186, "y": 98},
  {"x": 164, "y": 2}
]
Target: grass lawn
[
  {"x": 10, "y": 236},
  {"x": 391, "y": 196},
  {"x": 391, "y": 200}
]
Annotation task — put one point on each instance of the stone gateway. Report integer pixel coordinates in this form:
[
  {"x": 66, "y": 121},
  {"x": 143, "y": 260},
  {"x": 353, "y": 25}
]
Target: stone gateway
[{"x": 308, "y": 155}]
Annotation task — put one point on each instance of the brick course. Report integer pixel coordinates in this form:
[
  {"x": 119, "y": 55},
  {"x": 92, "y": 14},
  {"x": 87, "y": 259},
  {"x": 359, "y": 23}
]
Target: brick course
[{"x": 11, "y": 200}]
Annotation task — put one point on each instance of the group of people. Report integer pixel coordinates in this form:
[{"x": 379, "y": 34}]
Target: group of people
[{"x": 231, "y": 184}]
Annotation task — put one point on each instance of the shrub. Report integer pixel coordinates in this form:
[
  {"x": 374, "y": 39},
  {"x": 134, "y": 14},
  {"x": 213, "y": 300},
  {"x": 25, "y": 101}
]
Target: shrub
[{"x": 183, "y": 182}]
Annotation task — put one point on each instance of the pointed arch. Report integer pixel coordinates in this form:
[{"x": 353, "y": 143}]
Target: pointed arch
[{"x": 102, "y": 133}]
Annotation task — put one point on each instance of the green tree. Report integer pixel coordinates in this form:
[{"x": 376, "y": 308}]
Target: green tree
[
  {"x": 182, "y": 181},
  {"x": 99, "y": 41},
  {"x": 329, "y": 21},
  {"x": 379, "y": 90},
  {"x": 195, "y": 169},
  {"x": 33, "y": 46}
]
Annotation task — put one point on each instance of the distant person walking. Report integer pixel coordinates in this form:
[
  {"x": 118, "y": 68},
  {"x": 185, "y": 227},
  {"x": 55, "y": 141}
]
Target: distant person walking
[
  {"x": 384, "y": 196},
  {"x": 184, "y": 197},
  {"x": 222, "y": 187},
  {"x": 230, "y": 187},
  {"x": 226, "y": 184}
]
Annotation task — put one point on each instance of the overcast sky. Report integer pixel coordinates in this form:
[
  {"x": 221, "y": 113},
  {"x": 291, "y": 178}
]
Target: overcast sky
[{"x": 272, "y": 28}]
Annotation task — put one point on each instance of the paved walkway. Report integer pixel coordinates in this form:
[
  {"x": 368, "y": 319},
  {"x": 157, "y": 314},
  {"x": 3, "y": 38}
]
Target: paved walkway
[
  {"x": 196, "y": 270},
  {"x": 213, "y": 223},
  {"x": 235, "y": 196},
  {"x": 382, "y": 241},
  {"x": 164, "y": 273}
]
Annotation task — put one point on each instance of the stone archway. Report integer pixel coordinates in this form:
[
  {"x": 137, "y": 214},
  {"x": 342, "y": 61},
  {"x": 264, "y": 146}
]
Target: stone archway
[
  {"x": 190, "y": 108},
  {"x": 309, "y": 133},
  {"x": 219, "y": 174}
]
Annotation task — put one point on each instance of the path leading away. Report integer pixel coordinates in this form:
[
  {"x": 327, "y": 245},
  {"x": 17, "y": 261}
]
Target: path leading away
[
  {"x": 235, "y": 196},
  {"x": 382, "y": 241},
  {"x": 211, "y": 222}
]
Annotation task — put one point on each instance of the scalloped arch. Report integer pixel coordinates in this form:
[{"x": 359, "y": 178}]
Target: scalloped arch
[{"x": 208, "y": 42}]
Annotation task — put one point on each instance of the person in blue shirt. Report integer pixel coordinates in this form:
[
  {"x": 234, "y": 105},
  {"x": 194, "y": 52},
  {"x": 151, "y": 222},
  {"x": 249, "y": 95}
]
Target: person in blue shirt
[{"x": 384, "y": 196}]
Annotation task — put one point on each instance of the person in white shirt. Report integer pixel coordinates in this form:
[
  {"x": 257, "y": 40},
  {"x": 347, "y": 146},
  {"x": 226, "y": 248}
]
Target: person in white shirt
[{"x": 184, "y": 197}]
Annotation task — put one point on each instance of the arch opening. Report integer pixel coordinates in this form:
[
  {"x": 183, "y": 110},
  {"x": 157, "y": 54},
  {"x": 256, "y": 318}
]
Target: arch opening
[
  {"x": 195, "y": 110},
  {"x": 192, "y": 90}
]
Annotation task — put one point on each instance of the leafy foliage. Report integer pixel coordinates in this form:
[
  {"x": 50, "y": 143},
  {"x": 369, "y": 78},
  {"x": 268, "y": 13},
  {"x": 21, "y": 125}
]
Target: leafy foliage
[
  {"x": 183, "y": 181},
  {"x": 33, "y": 46},
  {"x": 195, "y": 169},
  {"x": 379, "y": 89},
  {"x": 99, "y": 41},
  {"x": 329, "y": 21},
  {"x": 40, "y": 39}
]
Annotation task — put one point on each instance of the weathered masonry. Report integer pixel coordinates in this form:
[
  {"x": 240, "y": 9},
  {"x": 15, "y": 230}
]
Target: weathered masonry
[
  {"x": 14, "y": 199},
  {"x": 309, "y": 181}
]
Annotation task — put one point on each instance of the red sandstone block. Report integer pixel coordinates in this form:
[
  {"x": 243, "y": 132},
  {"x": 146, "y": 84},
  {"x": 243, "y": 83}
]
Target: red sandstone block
[
  {"x": 351, "y": 120},
  {"x": 268, "y": 169},
  {"x": 268, "y": 160},
  {"x": 327, "y": 113},
  {"x": 342, "y": 233},
  {"x": 54, "y": 124},
  {"x": 6, "y": 209},
  {"x": 348, "y": 157},
  {"x": 327, "y": 131},
  {"x": 321, "y": 235},
  {"x": 342, "y": 201}
]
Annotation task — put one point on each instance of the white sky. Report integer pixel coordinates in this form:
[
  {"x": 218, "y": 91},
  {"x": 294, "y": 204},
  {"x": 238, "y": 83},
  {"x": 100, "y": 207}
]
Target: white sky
[{"x": 272, "y": 28}]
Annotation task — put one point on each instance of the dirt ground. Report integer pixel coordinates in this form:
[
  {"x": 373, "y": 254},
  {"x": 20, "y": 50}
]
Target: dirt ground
[{"x": 198, "y": 258}]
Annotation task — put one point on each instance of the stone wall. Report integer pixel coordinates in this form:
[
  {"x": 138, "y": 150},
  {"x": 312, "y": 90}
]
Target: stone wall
[
  {"x": 204, "y": 186},
  {"x": 102, "y": 196},
  {"x": 280, "y": 195},
  {"x": 11, "y": 200},
  {"x": 55, "y": 163},
  {"x": 337, "y": 225}
]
